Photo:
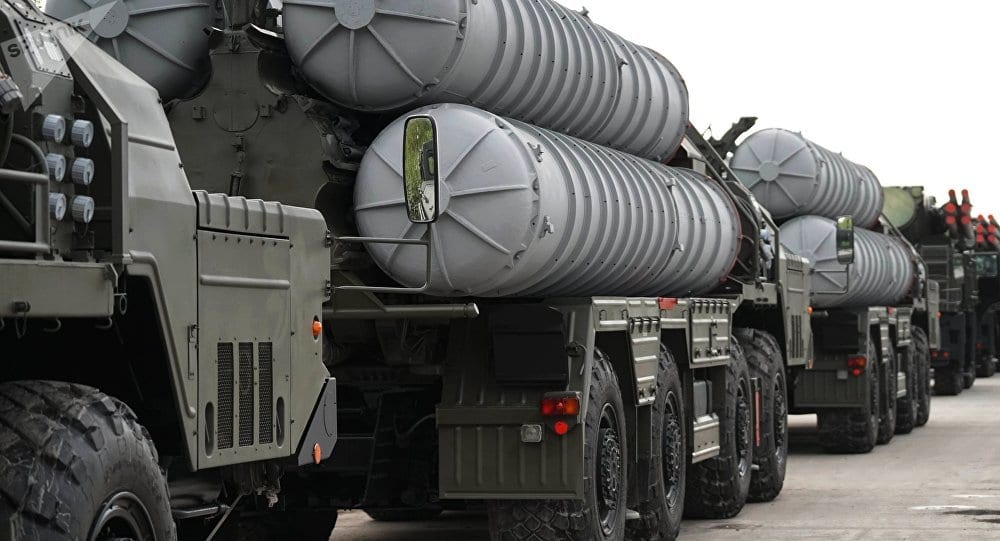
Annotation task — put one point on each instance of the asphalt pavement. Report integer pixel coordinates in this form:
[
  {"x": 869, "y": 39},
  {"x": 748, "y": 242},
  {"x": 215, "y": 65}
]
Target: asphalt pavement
[{"x": 940, "y": 482}]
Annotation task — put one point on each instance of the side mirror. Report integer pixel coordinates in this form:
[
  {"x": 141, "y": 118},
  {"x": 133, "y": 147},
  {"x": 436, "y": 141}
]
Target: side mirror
[
  {"x": 845, "y": 240},
  {"x": 987, "y": 265},
  {"x": 420, "y": 169}
]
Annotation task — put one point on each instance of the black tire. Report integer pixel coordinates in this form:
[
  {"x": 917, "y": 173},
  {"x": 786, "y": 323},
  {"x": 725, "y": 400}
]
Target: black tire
[
  {"x": 416, "y": 514},
  {"x": 969, "y": 378},
  {"x": 854, "y": 431},
  {"x": 718, "y": 487},
  {"x": 763, "y": 354},
  {"x": 887, "y": 413},
  {"x": 601, "y": 515},
  {"x": 986, "y": 367},
  {"x": 907, "y": 409},
  {"x": 948, "y": 381},
  {"x": 922, "y": 360},
  {"x": 74, "y": 463},
  {"x": 660, "y": 517}
]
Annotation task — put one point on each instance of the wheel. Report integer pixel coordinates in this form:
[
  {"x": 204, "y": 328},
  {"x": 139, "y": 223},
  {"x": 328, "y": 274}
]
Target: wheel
[
  {"x": 415, "y": 514},
  {"x": 948, "y": 381},
  {"x": 887, "y": 413},
  {"x": 969, "y": 378},
  {"x": 763, "y": 354},
  {"x": 907, "y": 409},
  {"x": 601, "y": 515},
  {"x": 660, "y": 517},
  {"x": 76, "y": 464},
  {"x": 986, "y": 367},
  {"x": 718, "y": 487},
  {"x": 922, "y": 360},
  {"x": 854, "y": 430}
]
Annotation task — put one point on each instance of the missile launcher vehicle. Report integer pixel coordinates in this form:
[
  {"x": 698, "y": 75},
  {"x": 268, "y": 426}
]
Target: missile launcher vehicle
[
  {"x": 874, "y": 310},
  {"x": 957, "y": 248},
  {"x": 986, "y": 259},
  {"x": 163, "y": 344}
]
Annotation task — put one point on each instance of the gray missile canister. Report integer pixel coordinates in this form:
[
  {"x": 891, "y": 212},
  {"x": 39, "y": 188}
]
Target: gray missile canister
[
  {"x": 529, "y": 212},
  {"x": 533, "y": 60},
  {"x": 883, "y": 272},
  {"x": 792, "y": 176}
]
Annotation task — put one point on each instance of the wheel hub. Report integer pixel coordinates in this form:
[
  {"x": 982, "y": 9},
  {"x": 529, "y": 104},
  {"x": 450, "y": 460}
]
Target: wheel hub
[
  {"x": 743, "y": 427},
  {"x": 780, "y": 420},
  {"x": 123, "y": 516},
  {"x": 611, "y": 460},
  {"x": 672, "y": 455},
  {"x": 610, "y": 470}
]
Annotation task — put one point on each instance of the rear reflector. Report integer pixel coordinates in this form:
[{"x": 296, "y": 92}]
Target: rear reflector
[
  {"x": 560, "y": 405},
  {"x": 668, "y": 303}
]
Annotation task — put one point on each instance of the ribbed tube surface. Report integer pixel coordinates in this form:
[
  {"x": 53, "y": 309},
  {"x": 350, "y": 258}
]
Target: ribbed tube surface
[
  {"x": 882, "y": 274},
  {"x": 529, "y": 212},
  {"x": 162, "y": 41},
  {"x": 533, "y": 60},
  {"x": 792, "y": 176}
]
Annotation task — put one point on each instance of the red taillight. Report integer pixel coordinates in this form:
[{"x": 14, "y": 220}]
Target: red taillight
[
  {"x": 560, "y": 405},
  {"x": 979, "y": 345},
  {"x": 857, "y": 364},
  {"x": 560, "y": 428},
  {"x": 667, "y": 303},
  {"x": 934, "y": 354},
  {"x": 946, "y": 354}
]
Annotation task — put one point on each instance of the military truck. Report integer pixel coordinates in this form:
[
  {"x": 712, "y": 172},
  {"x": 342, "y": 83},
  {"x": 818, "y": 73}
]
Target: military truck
[
  {"x": 945, "y": 236},
  {"x": 545, "y": 319},
  {"x": 163, "y": 344},
  {"x": 986, "y": 258},
  {"x": 874, "y": 319}
]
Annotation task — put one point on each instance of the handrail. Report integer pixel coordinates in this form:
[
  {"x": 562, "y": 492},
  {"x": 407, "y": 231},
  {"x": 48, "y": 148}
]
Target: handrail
[
  {"x": 40, "y": 182},
  {"x": 425, "y": 240}
]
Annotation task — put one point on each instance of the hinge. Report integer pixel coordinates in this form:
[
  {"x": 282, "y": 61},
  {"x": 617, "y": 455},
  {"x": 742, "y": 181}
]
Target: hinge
[{"x": 192, "y": 349}]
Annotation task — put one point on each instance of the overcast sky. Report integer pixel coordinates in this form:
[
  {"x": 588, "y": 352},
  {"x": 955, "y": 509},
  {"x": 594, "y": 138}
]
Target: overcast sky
[{"x": 910, "y": 89}]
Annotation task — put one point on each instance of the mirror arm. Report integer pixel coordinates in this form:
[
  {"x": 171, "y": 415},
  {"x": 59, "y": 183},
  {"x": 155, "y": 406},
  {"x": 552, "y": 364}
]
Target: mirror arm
[
  {"x": 425, "y": 240},
  {"x": 847, "y": 282}
]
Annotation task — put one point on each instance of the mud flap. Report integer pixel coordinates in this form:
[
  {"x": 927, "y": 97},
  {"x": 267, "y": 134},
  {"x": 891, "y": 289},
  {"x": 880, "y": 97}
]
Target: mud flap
[{"x": 758, "y": 401}]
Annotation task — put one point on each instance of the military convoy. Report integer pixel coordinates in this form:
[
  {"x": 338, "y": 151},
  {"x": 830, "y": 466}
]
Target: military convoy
[{"x": 501, "y": 270}]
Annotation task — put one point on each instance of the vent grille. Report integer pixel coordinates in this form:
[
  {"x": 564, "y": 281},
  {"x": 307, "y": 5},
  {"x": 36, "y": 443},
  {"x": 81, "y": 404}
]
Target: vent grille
[
  {"x": 798, "y": 344},
  {"x": 265, "y": 392},
  {"x": 246, "y": 394},
  {"x": 224, "y": 419}
]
